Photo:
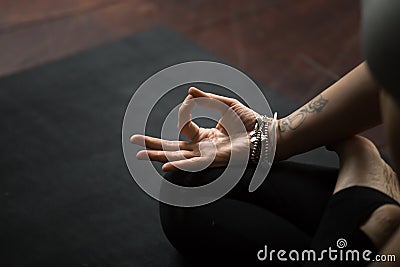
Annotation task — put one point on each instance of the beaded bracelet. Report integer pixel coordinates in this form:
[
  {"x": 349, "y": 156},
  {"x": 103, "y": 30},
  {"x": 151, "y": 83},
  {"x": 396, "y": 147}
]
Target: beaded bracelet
[{"x": 262, "y": 140}]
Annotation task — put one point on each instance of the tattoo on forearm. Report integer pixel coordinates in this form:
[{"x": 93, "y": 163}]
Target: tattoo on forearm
[{"x": 296, "y": 119}]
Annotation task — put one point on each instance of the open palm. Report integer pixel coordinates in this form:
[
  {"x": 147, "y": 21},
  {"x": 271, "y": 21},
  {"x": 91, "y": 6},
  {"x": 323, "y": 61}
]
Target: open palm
[{"x": 208, "y": 147}]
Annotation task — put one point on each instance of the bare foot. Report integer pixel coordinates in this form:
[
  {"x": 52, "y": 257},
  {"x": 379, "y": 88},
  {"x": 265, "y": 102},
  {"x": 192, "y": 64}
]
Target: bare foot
[{"x": 361, "y": 164}]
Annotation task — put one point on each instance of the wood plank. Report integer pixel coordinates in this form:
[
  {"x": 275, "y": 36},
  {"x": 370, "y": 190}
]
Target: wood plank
[
  {"x": 17, "y": 14},
  {"x": 290, "y": 45},
  {"x": 29, "y": 46}
]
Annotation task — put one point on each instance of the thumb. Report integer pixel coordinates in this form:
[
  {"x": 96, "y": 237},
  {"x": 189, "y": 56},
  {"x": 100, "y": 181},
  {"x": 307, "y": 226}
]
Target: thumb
[{"x": 195, "y": 92}]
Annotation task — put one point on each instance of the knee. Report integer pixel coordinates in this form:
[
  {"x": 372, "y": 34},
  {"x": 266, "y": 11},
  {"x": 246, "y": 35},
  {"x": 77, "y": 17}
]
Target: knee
[
  {"x": 184, "y": 227},
  {"x": 382, "y": 223}
]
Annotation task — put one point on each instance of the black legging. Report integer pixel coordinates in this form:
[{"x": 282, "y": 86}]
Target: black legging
[
  {"x": 283, "y": 213},
  {"x": 293, "y": 209}
]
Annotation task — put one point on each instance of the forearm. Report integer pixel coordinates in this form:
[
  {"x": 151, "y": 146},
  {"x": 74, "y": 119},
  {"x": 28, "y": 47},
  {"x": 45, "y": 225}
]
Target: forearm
[{"x": 348, "y": 107}]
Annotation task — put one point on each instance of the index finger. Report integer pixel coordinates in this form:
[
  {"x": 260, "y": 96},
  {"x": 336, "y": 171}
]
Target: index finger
[
  {"x": 195, "y": 92},
  {"x": 185, "y": 124},
  {"x": 159, "y": 144}
]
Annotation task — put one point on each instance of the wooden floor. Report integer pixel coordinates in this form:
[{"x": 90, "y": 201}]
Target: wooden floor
[{"x": 296, "y": 47}]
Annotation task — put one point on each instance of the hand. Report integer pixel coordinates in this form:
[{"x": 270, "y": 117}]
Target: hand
[{"x": 209, "y": 147}]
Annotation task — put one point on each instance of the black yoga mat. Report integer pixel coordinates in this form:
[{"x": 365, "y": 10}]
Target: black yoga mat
[{"x": 66, "y": 196}]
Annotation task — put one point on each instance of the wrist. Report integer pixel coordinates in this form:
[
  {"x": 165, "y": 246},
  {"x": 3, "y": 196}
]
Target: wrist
[
  {"x": 263, "y": 140},
  {"x": 281, "y": 151}
]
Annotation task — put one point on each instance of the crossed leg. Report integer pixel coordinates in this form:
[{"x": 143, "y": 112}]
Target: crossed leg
[{"x": 362, "y": 165}]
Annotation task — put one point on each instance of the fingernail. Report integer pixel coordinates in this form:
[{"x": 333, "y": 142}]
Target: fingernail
[
  {"x": 132, "y": 139},
  {"x": 164, "y": 167},
  {"x": 141, "y": 155}
]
